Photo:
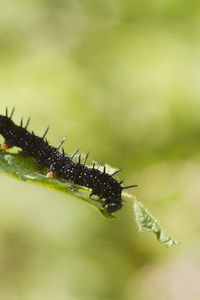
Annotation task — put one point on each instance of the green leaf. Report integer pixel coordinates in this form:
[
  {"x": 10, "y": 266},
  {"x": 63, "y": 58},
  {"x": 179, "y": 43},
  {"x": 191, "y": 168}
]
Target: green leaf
[
  {"x": 24, "y": 168},
  {"x": 146, "y": 222}
]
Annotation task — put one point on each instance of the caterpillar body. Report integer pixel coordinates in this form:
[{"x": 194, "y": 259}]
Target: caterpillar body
[{"x": 61, "y": 165}]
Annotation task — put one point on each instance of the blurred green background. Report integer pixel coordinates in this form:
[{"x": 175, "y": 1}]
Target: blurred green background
[{"x": 121, "y": 80}]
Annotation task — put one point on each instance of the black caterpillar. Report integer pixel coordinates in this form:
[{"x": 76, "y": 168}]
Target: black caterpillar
[{"x": 61, "y": 165}]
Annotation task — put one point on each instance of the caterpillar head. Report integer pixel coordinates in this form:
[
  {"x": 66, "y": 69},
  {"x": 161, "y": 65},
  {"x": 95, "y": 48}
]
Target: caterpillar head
[{"x": 114, "y": 206}]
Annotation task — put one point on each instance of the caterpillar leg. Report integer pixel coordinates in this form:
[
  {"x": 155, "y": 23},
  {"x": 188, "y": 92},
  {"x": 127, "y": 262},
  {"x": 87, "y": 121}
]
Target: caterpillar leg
[
  {"x": 24, "y": 153},
  {"x": 39, "y": 165},
  {"x": 51, "y": 174},
  {"x": 5, "y": 146},
  {"x": 92, "y": 193}
]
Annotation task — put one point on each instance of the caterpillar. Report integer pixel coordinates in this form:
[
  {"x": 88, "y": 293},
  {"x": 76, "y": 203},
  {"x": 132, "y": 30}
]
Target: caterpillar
[{"x": 102, "y": 184}]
